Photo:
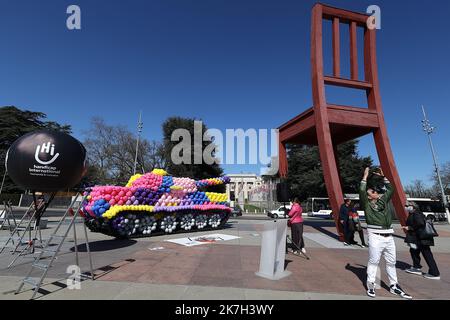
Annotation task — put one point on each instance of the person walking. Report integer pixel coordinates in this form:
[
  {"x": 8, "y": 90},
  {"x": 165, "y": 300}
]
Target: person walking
[
  {"x": 419, "y": 242},
  {"x": 296, "y": 222},
  {"x": 379, "y": 229},
  {"x": 354, "y": 219},
  {"x": 347, "y": 226}
]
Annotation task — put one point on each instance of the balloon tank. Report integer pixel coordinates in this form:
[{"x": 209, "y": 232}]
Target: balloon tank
[{"x": 156, "y": 203}]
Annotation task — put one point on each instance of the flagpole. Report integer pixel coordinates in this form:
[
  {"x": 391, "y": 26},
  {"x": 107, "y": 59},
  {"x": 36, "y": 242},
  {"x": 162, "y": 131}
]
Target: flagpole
[
  {"x": 139, "y": 127},
  {"x": 429, "y": 129}
]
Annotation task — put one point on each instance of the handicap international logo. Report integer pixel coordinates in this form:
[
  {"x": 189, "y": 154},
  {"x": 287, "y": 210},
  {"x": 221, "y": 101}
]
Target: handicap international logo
[
  {"x": 48, "y": 149},
  {"x": 44, "y": 168}
]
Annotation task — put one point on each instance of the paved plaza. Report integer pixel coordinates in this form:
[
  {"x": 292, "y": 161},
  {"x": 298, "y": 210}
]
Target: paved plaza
[{"x": 152, "y": 268}]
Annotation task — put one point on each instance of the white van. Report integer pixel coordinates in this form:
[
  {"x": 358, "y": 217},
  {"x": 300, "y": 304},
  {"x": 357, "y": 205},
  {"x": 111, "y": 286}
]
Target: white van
[{"x": 280, "y": 212}]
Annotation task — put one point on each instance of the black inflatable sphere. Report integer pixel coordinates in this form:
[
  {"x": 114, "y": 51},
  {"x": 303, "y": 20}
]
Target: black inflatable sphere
[
  {"x": 283, "y": 192},
  {"x": 46, "y": 161}
]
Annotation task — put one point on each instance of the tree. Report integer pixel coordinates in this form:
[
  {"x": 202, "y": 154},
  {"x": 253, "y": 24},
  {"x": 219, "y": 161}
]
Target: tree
[
  {"x": 190, "y": 169},
  {"x": 445, "y": 178},
  {"x": 305, "y": 174},
  {"x": 14, "y": 123},
  {"x": 418, "y": 189},
  {"x": 111, "y": 153}
]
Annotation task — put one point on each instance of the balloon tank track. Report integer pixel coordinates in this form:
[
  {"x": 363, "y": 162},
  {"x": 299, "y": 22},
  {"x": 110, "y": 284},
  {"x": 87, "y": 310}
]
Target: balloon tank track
[{"x": 130, "y": 228}]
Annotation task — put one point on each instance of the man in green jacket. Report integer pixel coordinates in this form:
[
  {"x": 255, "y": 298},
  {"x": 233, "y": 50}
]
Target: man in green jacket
[{"x": 379, "y": 229}]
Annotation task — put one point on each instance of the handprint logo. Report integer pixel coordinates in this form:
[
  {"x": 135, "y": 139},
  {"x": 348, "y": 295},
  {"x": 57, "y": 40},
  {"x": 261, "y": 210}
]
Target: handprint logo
[{"x": 48, "y": 148}]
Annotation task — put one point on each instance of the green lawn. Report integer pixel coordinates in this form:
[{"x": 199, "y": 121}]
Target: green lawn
[{"x": 251, "y": 208}]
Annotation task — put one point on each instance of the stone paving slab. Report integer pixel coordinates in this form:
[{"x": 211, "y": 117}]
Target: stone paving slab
[
  {"x": 130, "y": 268},
  {"x": 113, "y": 290},
  {"x": 326, "y": 241},
  {"x": 334, "y": 271}
]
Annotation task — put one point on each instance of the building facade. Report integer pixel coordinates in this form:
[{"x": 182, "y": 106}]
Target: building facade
[
  {"x": 240, "y": 186},
  {"x": 252, "y": 189}
]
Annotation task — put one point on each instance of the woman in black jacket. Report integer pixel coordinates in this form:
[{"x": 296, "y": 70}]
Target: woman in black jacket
[{"x": 415, "y": 224}]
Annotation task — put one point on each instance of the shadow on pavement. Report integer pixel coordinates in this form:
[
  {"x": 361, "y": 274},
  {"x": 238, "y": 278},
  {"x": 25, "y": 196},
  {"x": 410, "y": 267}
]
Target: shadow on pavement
[
  {"x": 361, "y": 272},
  {"x": 105, "y": 245},
  {"x": 402, "y": 265},
  {"x": 112, "y": 267},
  {"x": 286, "y": 263},
  {"x": 320, "y": 226},
  {"x": 227, "y": 225}
]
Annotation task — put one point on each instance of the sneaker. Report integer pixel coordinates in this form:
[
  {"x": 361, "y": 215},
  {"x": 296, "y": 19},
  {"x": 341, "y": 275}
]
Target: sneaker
[
  {"x": 413, "y": 270},
  {"x": 303, "y": 250},
  {"x": 395, "y": 289},
  {"x": 429, "y": 276},
  {"x": 346, "y": 244},
  {"x": 371, "y": 293}
]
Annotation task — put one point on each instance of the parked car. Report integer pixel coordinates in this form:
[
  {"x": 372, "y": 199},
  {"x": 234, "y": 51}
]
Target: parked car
[
  {"x": 236, "y": 212},
  {"x": 281, "y": 212}
]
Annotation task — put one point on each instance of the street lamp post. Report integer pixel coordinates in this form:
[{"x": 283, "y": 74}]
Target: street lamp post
[
  {"x": 139, "y": 127},
  {"x": 429, "y": 129}
]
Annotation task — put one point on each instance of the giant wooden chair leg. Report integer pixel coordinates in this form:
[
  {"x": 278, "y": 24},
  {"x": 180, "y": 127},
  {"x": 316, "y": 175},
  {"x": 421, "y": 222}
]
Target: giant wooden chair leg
[
  {"x": 331, "y": 176},
  {"x": 388, "y": 165}
]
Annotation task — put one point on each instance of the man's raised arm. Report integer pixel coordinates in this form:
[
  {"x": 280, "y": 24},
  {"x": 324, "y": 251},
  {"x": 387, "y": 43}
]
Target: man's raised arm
[{"x": 363, "y": 188}]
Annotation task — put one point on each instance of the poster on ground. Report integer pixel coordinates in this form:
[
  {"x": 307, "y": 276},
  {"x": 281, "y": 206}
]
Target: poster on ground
[{"x": 204, "y": 239}]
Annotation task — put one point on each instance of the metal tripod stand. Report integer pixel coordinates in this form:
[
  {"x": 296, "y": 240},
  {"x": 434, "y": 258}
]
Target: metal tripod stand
[
  {"x": 54, "y": 245},
  {"x": 292, "y": 243},
  {"x": 29, "y": 225}
]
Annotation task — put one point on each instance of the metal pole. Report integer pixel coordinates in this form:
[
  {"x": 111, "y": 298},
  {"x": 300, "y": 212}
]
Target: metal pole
[
  {"x": 3, "y": 182},
  {"x": 429, "y": 130},
  {"x": 139, "y": 127}
]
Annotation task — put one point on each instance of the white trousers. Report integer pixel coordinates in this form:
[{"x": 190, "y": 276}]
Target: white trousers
[{"x": 378, "y": 246}]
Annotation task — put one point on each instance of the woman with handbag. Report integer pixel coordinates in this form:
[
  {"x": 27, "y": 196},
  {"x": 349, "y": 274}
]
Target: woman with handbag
[
  {"x": 296, "y": 224},
  {"x": 420, "y": 235}
]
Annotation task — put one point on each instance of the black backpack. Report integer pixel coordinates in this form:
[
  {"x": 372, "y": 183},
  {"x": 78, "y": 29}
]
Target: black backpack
[{"x": 428, "y": 231}]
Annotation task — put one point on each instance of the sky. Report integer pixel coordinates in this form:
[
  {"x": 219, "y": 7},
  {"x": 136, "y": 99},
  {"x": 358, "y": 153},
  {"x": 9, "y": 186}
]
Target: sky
[{"x": 231, "y": 63}]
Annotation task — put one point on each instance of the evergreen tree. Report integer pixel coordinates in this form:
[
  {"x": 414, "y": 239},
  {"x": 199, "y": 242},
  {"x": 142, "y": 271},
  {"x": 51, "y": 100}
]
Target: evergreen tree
[
  {"x": 305, "y": 174},
  {"x": 192, "y": 170}
]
